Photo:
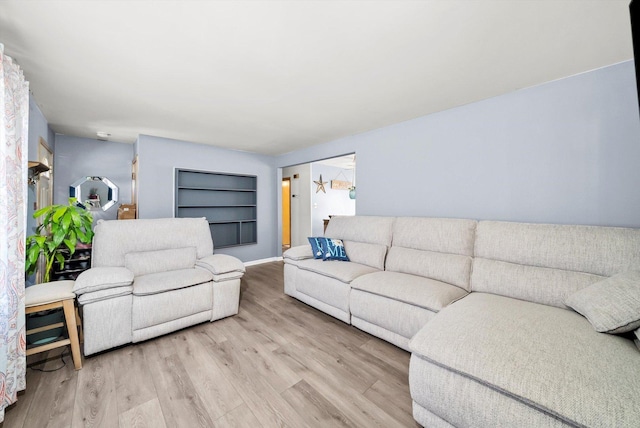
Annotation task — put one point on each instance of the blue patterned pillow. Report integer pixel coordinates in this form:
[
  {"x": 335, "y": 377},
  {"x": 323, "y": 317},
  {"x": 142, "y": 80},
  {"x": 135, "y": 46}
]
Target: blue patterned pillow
[
  {"x": 316, "y": 247},
  {"x": 334, "y": 250}
]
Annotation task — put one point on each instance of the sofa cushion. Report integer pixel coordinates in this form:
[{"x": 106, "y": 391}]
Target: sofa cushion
[
  {"x": 535, "y": 354},
  {"x": 546, "y": 263},
  {"x": 451, "y": 268},
  {"x": 366, "y": 254},
  {"x": 154, "y": 283},
  {"x": 100, "y": 278},
  {"x": 603, "y": 251},
  {"x": 532, "y": 283},
  {"x": 300, "y": 252},
  {"x": 367, "y": 229},
  {"x": 442, "y": 235},
  {"x": 423, "y": 292},
  {"x": 345, "y": 272},
  {"x": 146, "y": 262},
  {"x": 611, "y": 305},
  {"x": 316, "y": 246}
]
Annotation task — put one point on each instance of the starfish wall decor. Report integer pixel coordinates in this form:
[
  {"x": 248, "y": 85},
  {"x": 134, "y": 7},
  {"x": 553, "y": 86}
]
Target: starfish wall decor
[{"x": 320, "y": 184}]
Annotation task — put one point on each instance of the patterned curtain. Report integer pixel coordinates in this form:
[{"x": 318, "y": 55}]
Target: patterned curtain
[{"x": 14, "y": 120}]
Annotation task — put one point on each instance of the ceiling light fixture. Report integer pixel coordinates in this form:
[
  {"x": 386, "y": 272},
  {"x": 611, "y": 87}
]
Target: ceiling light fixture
[{"x": 103, "y": 136}]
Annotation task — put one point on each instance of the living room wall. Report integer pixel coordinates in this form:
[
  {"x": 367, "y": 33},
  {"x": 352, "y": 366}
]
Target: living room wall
[
  {"x": 157, "y": 159},
  {"x": 563, "y": 152},
  {"x": 78, "y": 157},
  {"x": 38, "y": 128}
]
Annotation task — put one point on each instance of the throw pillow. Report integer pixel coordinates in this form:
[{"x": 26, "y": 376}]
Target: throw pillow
[
  {"x": 334, "y": 250},
  {"x": 316, "y": 247},
  {"x": 611, "y": 305},
  {"x": 637, "y": 340}
]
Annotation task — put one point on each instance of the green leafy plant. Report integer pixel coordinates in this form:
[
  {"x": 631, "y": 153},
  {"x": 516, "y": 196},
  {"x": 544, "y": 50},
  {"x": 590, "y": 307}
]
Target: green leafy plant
[{"x": 61, "y": 229}]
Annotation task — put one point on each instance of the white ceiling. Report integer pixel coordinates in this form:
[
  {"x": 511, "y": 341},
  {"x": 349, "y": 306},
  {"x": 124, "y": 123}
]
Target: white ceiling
[{"x": 275, "y": 76}]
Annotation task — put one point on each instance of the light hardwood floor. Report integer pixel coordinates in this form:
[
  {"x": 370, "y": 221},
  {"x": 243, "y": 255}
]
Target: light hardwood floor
[{"x": 278, "y": 362}]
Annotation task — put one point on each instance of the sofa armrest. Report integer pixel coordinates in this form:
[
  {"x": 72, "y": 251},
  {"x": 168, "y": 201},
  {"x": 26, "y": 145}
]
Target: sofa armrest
[
  {"x": 101, "y": 278},
  {"x": 220, "y": 264},
  {"x": 300, "y": 252}
]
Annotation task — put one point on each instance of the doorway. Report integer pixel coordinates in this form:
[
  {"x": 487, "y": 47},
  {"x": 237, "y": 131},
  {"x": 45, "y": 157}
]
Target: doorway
[
  {"x": 286, "y": 213},
  {"x": 305, "y": 206}
]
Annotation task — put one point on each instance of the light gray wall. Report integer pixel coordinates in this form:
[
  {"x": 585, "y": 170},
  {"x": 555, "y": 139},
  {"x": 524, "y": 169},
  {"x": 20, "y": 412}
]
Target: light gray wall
[
  {"x": 563, "y": 152},
  {"x": 159, "y": 156},
  {"x": 332, "y": 201},
  {"x": 77, "y": 157},
  {"x": 38, "y": 128}
]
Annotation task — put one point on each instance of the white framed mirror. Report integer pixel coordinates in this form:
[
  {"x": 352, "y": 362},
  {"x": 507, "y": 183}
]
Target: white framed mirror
[{"x": 96, "y": 193}]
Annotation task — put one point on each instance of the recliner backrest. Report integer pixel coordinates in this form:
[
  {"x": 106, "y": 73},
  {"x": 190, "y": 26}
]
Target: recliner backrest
[
  {"x": 545, "y": 263},
  {"x": 366, "y": 238},
  {"x": 436, "y": 248},
  {"x": 114, "y": 239}
]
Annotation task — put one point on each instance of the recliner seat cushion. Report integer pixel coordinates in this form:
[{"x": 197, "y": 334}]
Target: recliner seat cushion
[
  {"x": 342, "y": 271},
  {"x": 548, "y": 358},
  {"x": 155, "y": 283},
  {"x": 415, "y": 290}
]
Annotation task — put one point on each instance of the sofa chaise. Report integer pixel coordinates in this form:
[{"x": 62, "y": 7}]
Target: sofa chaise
[
  {"x": 152, "y": 277},
  {"x": 485, "y": 308}
]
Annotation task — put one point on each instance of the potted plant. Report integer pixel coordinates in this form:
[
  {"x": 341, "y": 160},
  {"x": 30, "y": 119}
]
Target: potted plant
[{"x": 61, "y": 229}]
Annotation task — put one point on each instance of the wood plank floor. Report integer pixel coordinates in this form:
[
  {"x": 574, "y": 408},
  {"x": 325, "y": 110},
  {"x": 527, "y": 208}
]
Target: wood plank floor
[{"x": 277, "y": 363}]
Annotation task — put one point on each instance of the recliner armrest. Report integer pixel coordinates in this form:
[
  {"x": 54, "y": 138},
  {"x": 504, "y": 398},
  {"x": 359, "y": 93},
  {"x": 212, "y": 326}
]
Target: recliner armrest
[
  {"x": 222, "y": 266},
  {"x": 101, "y": 278}
]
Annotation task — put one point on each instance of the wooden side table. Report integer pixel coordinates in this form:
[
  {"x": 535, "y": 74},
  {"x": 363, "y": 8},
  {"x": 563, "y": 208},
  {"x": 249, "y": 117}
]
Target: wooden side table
[{"x": 52, "y": 295}]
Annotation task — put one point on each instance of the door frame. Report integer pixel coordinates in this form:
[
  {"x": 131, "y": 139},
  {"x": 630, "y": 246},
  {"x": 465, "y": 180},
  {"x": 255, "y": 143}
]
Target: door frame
[{"x": 288, "y": 216}]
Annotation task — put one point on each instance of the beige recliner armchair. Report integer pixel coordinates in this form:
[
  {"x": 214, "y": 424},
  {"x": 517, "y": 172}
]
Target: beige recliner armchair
[{"x": 152, "y": 277}]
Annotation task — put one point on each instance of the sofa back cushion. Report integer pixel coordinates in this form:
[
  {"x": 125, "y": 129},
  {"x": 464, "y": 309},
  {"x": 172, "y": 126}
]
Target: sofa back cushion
[
  {"x": 146, "y": 262},
  {"x": 545, "y": 263},
  {"x": 437, "y": 248},
  {"x": 366, "y": 238},
  {"x": 114, "y": 239}
]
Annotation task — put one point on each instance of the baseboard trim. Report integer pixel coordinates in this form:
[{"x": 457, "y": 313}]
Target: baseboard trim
[{"x": 261, "y": 261}]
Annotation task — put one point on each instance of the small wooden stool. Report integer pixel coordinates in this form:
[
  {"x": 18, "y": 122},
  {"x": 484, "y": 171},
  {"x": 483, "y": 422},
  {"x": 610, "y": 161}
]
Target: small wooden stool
[{"x": 51, "y": 295}]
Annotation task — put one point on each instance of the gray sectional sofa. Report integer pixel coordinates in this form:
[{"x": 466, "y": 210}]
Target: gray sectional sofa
[
  {"x": 483, "y": 308},
  {"x": 152, "y": 277}
]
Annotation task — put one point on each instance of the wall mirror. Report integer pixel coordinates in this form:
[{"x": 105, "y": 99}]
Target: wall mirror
[{"x": 96, "y": 193}]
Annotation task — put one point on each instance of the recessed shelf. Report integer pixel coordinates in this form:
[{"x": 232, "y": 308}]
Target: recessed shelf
[
  {"x": 216, "y": 189},
  {"x": 213, "y": 206},
  {"x": 227, "y": 201}
]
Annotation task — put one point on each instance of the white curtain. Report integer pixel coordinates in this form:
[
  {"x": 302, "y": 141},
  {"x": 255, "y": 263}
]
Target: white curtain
[{"x": 14, "y": 121}]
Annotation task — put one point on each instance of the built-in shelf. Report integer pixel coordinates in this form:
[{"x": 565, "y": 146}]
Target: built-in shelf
[
  {"x": 37, "y": 167},
  {"x": 227, "y": 201},
  {"x": 73, "y": 265}
]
